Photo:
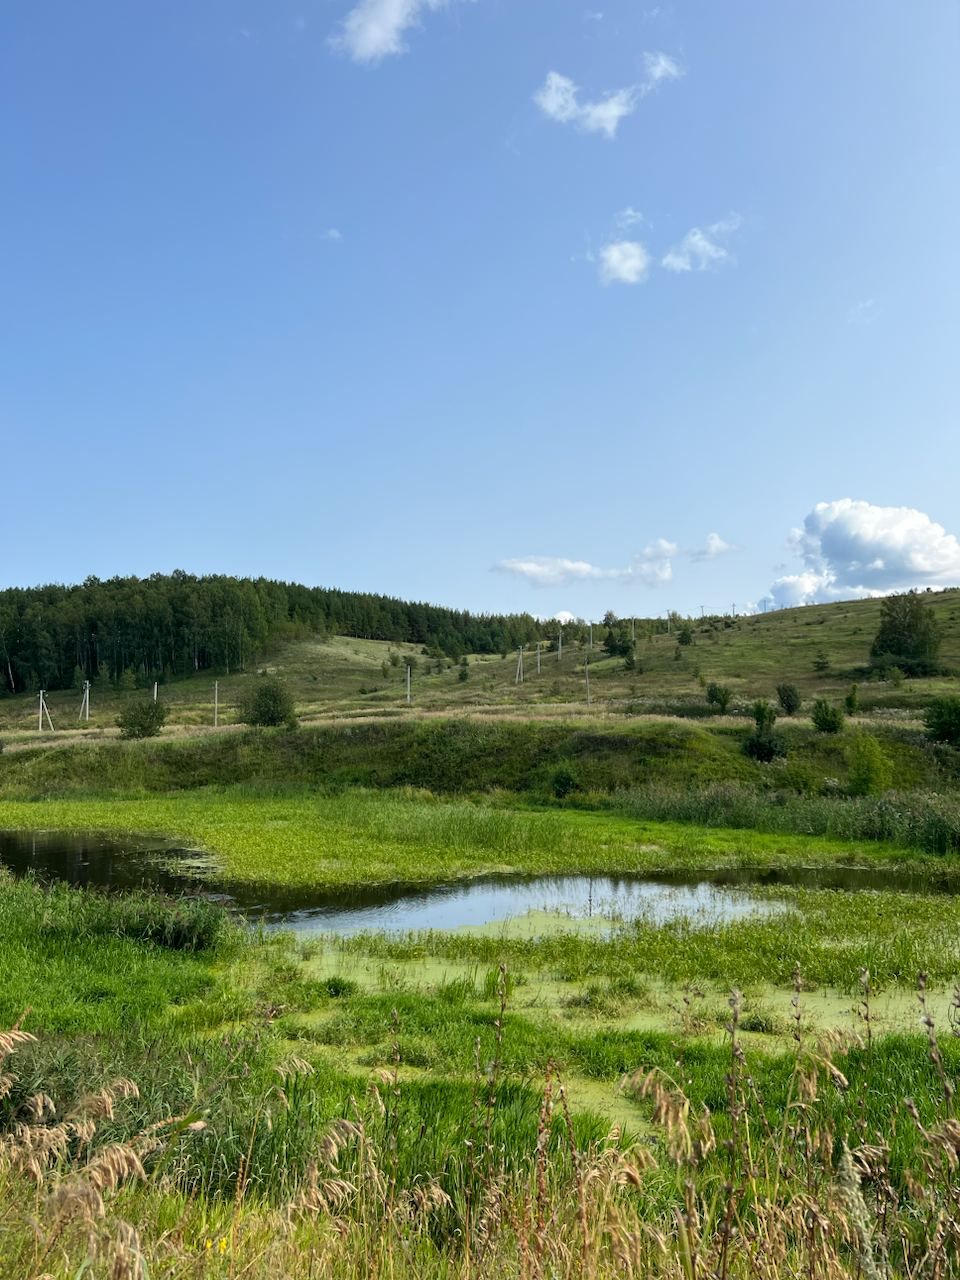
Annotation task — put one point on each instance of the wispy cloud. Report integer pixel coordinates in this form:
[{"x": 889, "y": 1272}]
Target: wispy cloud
[
  {"x": 559, "y": 97},
  {"x": 628, "y": 217},
  {"x": 713, "y": 547},
  {"x": 701, "y": 248},
  {"x": 376, "y": 29},
  {"x": 863, "y": 312},
  {"x": 624, "y": 262},
  {"x": 333, "y": 234},
  {"x": 652, "y": 566}
]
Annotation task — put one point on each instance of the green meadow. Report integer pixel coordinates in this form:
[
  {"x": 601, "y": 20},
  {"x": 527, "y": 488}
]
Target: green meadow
[{"x": 187, "y": 1093}]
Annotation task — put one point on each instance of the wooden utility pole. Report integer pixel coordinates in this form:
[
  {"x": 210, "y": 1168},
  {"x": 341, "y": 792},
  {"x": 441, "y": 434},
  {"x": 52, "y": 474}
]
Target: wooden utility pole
[
  {"x": 560, "y": 645},
  {"x": 538, "y": 657},
  {"x": 586, "y": 674},
  {"x": 408, "y": 684},
  {"x": 85, "y": 703},
  {"x": 216, "y": 703},
  {"x": 156, "y": 689},
  {"x": 519, "y": 675}
]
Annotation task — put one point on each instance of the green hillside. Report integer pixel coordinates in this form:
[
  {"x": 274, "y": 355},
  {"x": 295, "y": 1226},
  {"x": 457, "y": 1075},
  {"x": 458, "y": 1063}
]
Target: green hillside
[{"x": 345, "y": 676}]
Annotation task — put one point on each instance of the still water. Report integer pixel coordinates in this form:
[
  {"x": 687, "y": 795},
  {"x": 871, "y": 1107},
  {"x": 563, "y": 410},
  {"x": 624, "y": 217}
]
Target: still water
[{"x": 124, "y": 863}]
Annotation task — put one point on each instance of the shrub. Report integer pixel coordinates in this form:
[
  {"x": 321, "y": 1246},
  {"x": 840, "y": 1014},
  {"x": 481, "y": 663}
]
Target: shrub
[
  {"x": 563, "y": 782},
  {"x": 942, "y": 719},
  {"x": 142, "y": 719},
  {"x": 826, "y": 719},
  {"x": 685, "y": 634},
  {"x": 765, "y": 747},
  {"x": 869, "y": 770},
  {"x": 788, "y": 695},
  {"x": 268, "y": 702},
  {"x": 895, "y": 676},
  {"x": 852, "y": 701},
  {"x": 821, "y": 662},
  {"x": 764, "y": 715},
  {"x": 719, "y": 695}
]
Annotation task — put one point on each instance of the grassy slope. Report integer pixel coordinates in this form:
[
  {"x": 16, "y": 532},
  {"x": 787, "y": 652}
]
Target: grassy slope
[{"x": 751, "y": 654}]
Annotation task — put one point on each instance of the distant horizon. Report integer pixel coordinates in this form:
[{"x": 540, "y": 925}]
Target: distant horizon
[{"x": 564, "y": 617}]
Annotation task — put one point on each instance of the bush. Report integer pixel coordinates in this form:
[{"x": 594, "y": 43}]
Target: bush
[
  {"x": 788, "y": 695},
  {"x": 852, "y": 701},
  {"x": 719, "y": 695},
  {"x": 563, "y": 782},
  {"x": 869, "y": 770},
  {"x": 942, "y": 719},
  {"x": 826, "y": 719},
  {"x": 765, "y": 747},
  {"x": 764, "y": 715},
  {"x": 269, "y": 703},
  {"x": 142, "y": 719},
  {"x": 821, "y": 662}
]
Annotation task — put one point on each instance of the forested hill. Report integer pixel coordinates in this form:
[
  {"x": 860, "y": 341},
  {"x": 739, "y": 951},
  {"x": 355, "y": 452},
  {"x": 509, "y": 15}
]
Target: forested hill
[{"x": 170, "y": 625}]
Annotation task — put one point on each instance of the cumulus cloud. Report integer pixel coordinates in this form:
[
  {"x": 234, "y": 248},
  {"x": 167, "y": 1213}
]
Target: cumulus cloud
[
  {"x": 850, "y": 548},
  {"x": 333, "y": 234},
  {"x": 652, "y": 566},
  {"x": 559, "y": 97},
  {"x": 699, "y": 248},
  {"x": 623, "y": 262},
  {"x": 375, "y": 29}
]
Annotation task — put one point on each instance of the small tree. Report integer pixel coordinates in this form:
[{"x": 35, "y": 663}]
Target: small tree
[
  {"x": 942, "y": 719},
  {"x": 764, "y": 744},
  {"x": 826, "y": 719},
  {"x": 268, "y": 702},
  {"x": 869, "y": 770},
  {"x": 821, "y": 662},
  {"x": 852, "y": 701},
  {"x": 719, "y": 695},
  {"x": 143, "y": 718},
  {"x": 788, "y": 695},
  {"x": 908, "y": 636},
  {"x": 685, "y": 634},
  {"x": 764, "y": 715}
]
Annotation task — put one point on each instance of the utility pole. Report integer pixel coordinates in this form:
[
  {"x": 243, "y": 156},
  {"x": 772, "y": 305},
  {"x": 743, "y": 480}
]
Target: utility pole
[
  {"x": 408, "y": 684},
  {"x": 591, "y": 635},
  {"x": 216, "y": 703},
  {"x": 586, "y": 675},
  {"x": 44, "y": 711},
  {"x": 538, "y": 657},
  {"x": 701, "y": 611},
  {"x": 633, "y": 631},
  {"x": 519, "y": 675},
  {"x": 560, "y": 645},
  {"x": 85, "y": 703},
  {"x": 734, "y": 607},
  {"x": 156, "y": 689}
]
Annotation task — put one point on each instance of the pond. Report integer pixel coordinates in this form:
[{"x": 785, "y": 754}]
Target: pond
[{"x": 543, "y": 902}]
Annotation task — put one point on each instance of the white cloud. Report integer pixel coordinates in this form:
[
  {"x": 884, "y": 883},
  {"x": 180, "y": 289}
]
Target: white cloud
[
  {"x": 863, "y": 312},
  {"x": 564, "y": 616},
  {"x": 628, "y": 217},
  {"x": 651, "y": 566},
  {"x": 623, "y": 262},
  {"x": 558, "y": 97},
  {"x": 658, "y": 66},
  {"x": 851, "y": 548},
  {"x": 375, "y": 29},
  {"x": 714, "y": 546},
  {"x": 333, "y": 233},
  {"x": 699, "y": 248}
]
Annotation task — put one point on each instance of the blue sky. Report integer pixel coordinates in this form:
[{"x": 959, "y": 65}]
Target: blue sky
[{"x": 507, "y": 304}]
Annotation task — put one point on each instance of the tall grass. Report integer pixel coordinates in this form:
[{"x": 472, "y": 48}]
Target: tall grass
[
  {"x": 832, "y": 1161},
  {"x": 924, "y": 820}
]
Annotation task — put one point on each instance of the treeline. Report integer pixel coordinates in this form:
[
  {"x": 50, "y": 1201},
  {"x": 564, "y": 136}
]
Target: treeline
[{"x": 142, "y": 629}]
